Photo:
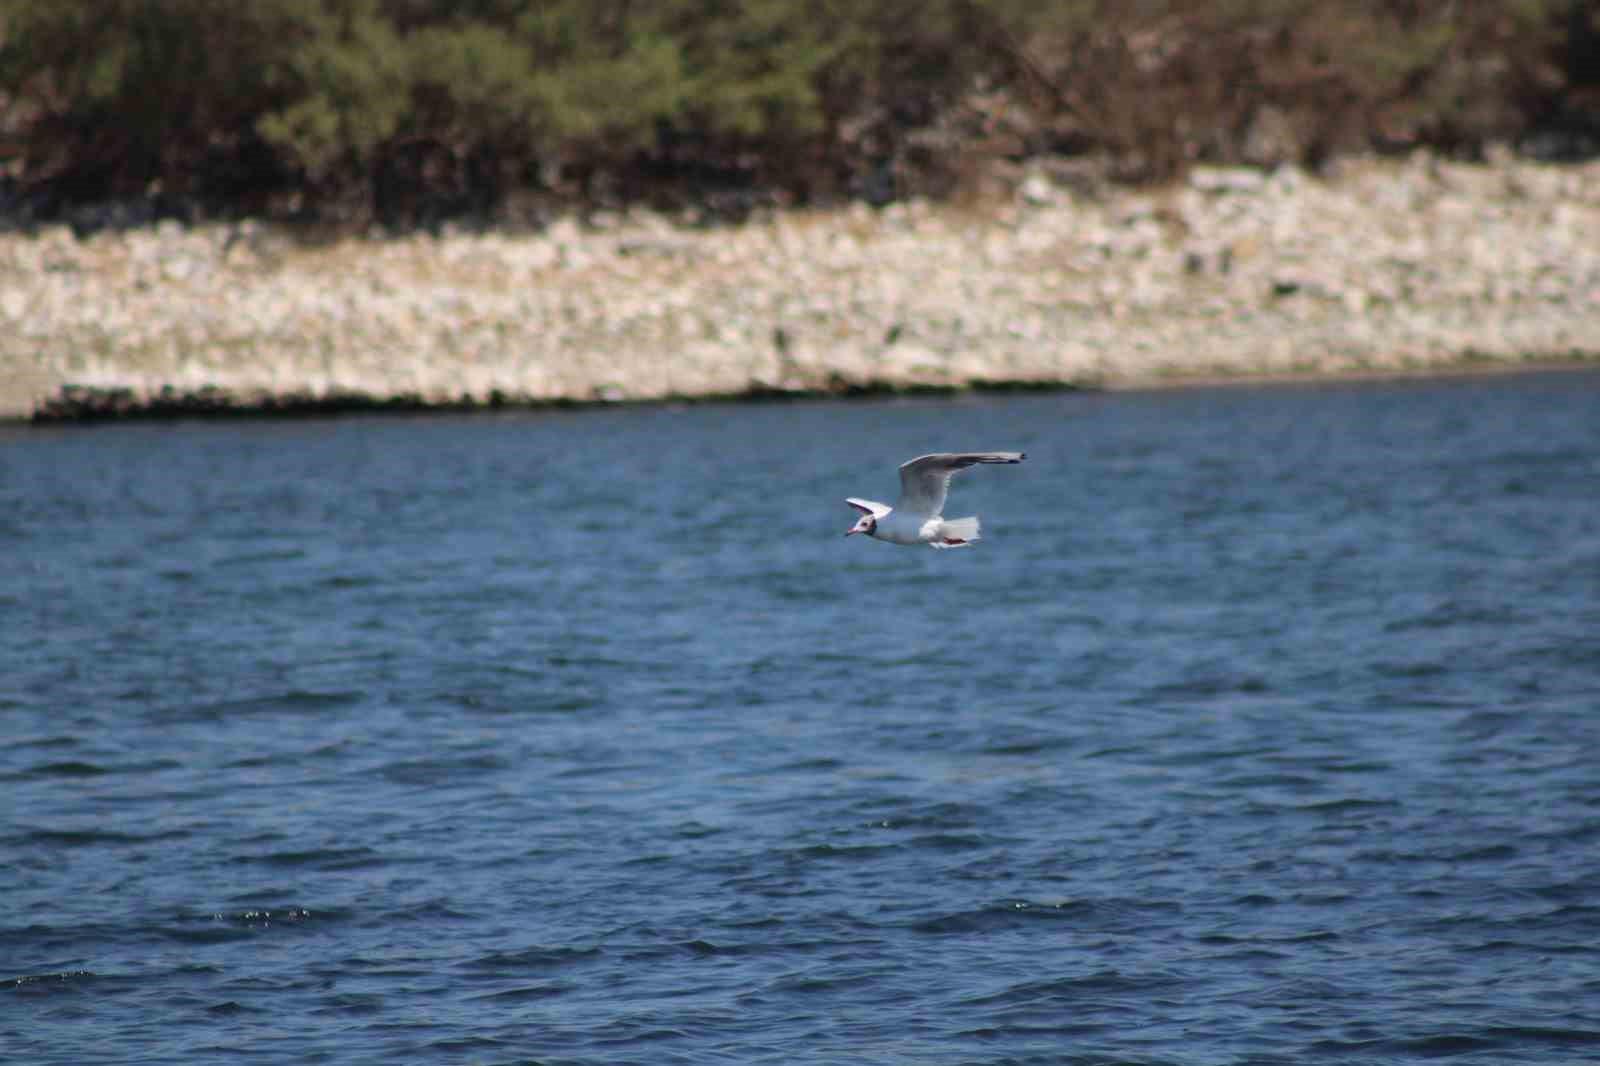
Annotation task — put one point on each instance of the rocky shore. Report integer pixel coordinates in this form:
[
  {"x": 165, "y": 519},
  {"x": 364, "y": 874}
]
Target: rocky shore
[{"x": 1379, "y": 266}]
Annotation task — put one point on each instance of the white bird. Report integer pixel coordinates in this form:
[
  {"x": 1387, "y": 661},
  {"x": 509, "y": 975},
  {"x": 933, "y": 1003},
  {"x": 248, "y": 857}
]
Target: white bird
[{"x": 917, "y": 517}]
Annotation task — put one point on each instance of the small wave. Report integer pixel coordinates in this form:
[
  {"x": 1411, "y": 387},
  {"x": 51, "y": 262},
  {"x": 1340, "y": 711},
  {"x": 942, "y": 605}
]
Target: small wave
[
  {"x": 1548, "y": 1037},
  {"x": 1032, "y": 746},
  {"x": 433, "y": 910},
  {"x": 936, "y": 816},
  {"x": 1266, "y": 780},
  {"x": 1347, "y": 803},
  {"x": 1502, "y": 1039},
  {"x": 1065, "y": 991},
  {"x": 1397, "y": 670},
  {"x": 291, "y": 757},
  {"x": 808, "y": 765},
  {"x": 501, "y": 702},
  {"x": 467, "y": 1045},
  {"x": 536, "y": 958},
  {"x": 597, "y": 663},
  {"x": 227, "y": 926},
  {"x": 1537, "y": 948},
  {"x": 41, "y": 742},
  {"x": 1207, "y": 756},
  {"x": 353, "y": 1004},
  {"x": 435, "y": 771},
  {"x": 1054, "y": 1034},
  {"x": 1573, "y": 894},
  {"x": 204, "y": 934},
  {"x": 1454, "y": 613},
  {"x": 949, "y": 842},
  {"x": 294, "y": 700},
  {"x": 1018, "y": 914},
  {"x": 50, "y": 982},
  {"x": 70, "y": 768},
  {"x": 845, "y": 852},
  {"x": 274, "y": 555},
  {"x": 265, "y": 916},
  {"x": 1478, "y": 853},
  {"x": 1203, "y": 688},
  {"x": 79, "y": 838},
  {"x": 528, "y": 994},
  {"x": 318, "y": 858},
  {"x": 349, "y": 581}
]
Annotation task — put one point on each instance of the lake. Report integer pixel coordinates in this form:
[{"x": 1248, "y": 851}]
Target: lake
[{"x": 1262, "y": 727}]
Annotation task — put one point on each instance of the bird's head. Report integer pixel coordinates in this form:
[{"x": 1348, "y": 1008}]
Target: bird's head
[{"x": 867, "y": 524}]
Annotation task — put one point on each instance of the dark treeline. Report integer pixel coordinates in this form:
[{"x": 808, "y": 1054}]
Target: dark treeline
[{"x": 408, "y": 112}]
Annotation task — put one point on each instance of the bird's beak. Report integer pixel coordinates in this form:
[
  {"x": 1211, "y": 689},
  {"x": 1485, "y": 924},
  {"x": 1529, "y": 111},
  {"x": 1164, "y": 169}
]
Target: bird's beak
[{"x": 849, "y": 531}]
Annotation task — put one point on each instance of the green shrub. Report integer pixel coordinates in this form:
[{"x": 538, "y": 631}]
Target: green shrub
[{"x": 404, "y": 110}]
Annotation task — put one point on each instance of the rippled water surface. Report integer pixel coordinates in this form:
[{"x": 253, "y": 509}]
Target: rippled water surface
[{"x": 1264, "y": 727}]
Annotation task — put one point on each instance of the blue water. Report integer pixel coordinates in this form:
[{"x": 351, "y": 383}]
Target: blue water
[{"x": 1263, "y": 727}]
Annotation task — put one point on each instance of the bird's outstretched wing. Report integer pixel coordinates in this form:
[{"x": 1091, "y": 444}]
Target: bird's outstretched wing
[
  {"x": 871, "y": 507},
  {"x": 925, "y": 479}
]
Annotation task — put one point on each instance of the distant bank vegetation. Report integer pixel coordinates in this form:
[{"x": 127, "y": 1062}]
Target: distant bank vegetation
[{"x": 410, "y": 112}]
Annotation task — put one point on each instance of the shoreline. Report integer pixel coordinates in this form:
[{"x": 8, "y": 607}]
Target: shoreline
[
  {"x": 1235, "y": 276},
  {"x": 101, "y": 408}
]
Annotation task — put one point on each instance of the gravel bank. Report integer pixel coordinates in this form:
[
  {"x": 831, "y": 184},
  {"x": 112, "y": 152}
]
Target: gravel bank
[{"x": 1414, "y": 265}]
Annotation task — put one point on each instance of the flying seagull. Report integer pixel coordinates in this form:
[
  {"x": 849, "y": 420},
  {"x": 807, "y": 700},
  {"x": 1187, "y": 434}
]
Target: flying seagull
[{"x": 917, "y": 517}]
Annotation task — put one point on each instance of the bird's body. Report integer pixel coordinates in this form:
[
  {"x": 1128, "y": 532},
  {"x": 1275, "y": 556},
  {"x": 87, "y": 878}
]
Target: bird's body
[{"x": 917, "y": 517}]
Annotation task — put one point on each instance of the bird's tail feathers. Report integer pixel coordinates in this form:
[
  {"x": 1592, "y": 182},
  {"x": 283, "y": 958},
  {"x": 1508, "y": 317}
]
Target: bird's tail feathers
[{"x": 958, "y": 532}]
